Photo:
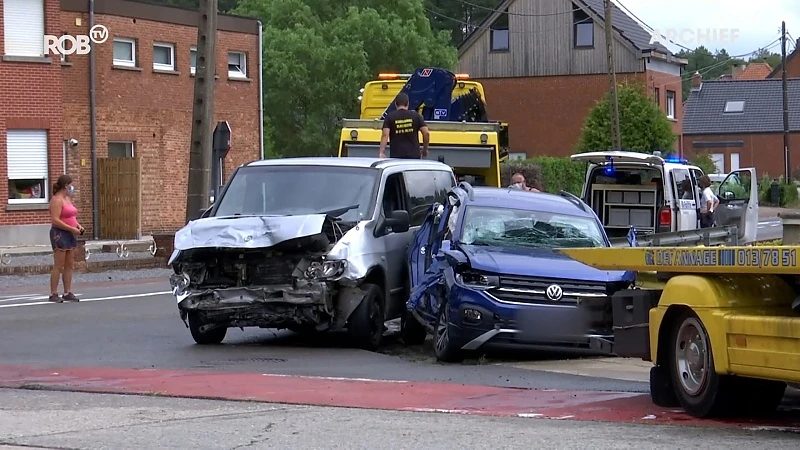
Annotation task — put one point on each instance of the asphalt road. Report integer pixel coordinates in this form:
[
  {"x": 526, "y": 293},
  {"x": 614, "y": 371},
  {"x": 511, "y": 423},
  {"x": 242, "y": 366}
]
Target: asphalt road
[
  {"x": 770, "y": 229},
  {"x": 137, "y": 326},
  {"x": 63, "y": 420}
]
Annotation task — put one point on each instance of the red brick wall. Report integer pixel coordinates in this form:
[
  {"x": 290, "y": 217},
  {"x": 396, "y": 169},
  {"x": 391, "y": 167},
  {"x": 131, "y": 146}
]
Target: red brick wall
[
  {"x": 762, "y": 151},
  {"x": 155, "y": 111},
  {"x": 792, "y": 66},
  {"x": 665, "y": 82},
  {"x": 30, "y": 97},
  {"x": 545, "y": 114}
]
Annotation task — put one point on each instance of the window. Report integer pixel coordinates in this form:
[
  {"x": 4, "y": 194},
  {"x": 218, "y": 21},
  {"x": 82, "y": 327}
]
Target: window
[
  {"x": 734, "y": 107},
  {"x": 671, "y": 104},
  {"x": 27, "y": 166},
  {"x": 683, "y": 184},
  {"x": 23, "y": 27},
  {"x": 499, "y": 34},
  {"x": 120, "y": 150},
  {"x": 344, "y": 192},
  {"x": 124, "y": 52},
  {"x": 163, "y": 56},
  {"x": 582, "y": 28},
  {"x": 422, "y": 193},
  {"x": 507, "y": 227},
  {"x": 657, "y": 95},
  {"x": 514, "y": 156},
  {"x": 736, "y": 186},
  {"x": 193, "y": 60},
  {"x": 719, "y": 161},
  {"x": 237, "y": 65}
]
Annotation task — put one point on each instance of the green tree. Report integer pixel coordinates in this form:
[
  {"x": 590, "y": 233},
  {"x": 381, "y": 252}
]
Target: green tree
[
  {"x": 710, "y": 65},
  {"x": 318, "y": 54},
  {"x": 643, "y": 126}
]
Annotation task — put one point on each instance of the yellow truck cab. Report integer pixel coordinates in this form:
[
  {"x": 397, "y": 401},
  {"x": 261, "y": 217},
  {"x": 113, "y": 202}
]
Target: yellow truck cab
[{"x": 455, "y": 112}]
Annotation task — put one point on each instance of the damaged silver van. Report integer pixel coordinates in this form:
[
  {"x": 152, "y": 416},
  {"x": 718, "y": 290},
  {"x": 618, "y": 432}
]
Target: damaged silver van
[{"x": 306, "y": 244}]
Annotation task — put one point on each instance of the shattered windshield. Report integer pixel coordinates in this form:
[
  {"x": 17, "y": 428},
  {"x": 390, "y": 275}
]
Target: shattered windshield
[
  {"x": 344, "y": 192},
  {"x": 506, "y": 227}
]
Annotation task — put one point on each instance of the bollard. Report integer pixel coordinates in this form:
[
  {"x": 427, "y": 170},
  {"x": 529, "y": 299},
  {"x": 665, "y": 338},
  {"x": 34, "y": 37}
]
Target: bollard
[
  {"x": 791, "y": 228},
  {"x": 775, "y": 193}
]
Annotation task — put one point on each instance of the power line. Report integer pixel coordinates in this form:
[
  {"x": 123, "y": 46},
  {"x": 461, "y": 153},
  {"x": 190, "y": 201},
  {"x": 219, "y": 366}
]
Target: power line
[
  {"x": 495, "y": 10},
  {"x": 488, "y": 27}
]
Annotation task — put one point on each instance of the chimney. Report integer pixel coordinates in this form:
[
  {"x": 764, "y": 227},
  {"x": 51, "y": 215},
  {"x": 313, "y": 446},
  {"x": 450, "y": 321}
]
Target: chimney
[
  {"x": 737, "y": 69},
  {"x": 697, "y": 80}
]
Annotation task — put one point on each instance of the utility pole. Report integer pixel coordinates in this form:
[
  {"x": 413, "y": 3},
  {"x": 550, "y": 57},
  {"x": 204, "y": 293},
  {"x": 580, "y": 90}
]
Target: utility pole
[
  {"x": 786, "y": 155},
  {"x": 612, "y": 78},
  {"x": 200, "y": 155}
]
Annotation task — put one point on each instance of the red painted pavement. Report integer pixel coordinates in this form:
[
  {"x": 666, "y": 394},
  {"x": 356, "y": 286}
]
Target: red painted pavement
[{"x": 371, "y": 394}]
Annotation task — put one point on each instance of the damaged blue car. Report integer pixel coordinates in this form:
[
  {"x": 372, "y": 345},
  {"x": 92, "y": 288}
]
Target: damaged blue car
[{"x": 484, "y": 275}]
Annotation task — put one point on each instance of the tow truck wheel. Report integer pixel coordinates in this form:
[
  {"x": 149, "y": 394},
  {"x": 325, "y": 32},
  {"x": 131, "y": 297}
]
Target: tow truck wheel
[
  {"x": 411, "y": 331},
  {"x": 366, "y": 323},
  {"x": 662, "y": 393},
  {"x": 443, "y": 346},
  {"x": 213, "y": 336},
  {"x": 700, "y": 390}
]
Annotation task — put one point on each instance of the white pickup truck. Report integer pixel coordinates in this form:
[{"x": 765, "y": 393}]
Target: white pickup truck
[{"x": 656, "y": 194}]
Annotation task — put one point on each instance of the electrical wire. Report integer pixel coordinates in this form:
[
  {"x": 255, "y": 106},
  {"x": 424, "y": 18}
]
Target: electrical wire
[
  {"x": 488, "y": 27},
  {"x": 509, "y": 13}
]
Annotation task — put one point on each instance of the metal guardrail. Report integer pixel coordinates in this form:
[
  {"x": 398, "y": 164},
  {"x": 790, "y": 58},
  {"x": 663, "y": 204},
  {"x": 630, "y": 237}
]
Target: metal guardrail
[
  {"x": 122, "y": 251},
  {"x": 728, "y": 235}
]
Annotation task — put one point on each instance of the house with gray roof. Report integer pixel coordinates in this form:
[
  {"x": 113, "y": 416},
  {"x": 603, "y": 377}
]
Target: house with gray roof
[
  {"x": 543, "y": 66},
  {"x": 739, "y": 123}
]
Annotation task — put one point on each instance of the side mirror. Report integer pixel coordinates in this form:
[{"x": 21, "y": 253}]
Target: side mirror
[
  {"x": 399, "y": 221},
  {"x": 729, "y": 195}
]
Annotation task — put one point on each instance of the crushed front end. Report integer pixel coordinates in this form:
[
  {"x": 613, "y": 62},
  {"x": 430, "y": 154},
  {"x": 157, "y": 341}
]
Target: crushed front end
[{"x": 281, "y": 281}]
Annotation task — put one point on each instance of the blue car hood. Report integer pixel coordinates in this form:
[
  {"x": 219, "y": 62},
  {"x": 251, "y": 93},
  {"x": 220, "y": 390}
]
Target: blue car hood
[{"x": 536, "y": 262}]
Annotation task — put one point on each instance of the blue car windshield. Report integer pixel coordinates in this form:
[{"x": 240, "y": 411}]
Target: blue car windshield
[
  {"x": 344, "y": 192},
  {"x": 507, "y": 227}
]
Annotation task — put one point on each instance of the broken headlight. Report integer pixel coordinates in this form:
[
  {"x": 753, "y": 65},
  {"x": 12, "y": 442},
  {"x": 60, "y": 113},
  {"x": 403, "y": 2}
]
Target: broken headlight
[
  {"x": 477, "y": 280},
  {"x": 179, "y": 282},
  {"x": 325, "y": 269}
]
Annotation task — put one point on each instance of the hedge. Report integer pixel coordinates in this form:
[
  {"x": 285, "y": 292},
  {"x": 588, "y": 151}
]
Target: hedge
[
  {"x": 547, "y": 173},
  {"x": 788, "y": 196}
]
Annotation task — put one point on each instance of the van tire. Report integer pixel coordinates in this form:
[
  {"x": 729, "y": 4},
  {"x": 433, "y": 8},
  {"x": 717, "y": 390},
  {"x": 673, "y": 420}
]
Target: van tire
[
  {"x": 366, "y": 324},
  {"x": 214, "y": 336},
  {"x": 443, "y": 346}
]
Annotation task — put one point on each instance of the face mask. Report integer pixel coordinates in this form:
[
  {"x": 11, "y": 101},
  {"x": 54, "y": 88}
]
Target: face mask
[{"x": 516, "y": 186}]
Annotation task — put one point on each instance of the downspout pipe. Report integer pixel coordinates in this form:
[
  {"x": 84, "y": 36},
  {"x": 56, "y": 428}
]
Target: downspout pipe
[
  {"x": 261, "y": 88},
  {"x": 93, "y": 130}
]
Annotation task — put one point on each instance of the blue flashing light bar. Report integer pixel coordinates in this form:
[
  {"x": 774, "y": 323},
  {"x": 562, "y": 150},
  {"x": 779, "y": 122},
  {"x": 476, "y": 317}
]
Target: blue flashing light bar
[{"x": 675, "y": 160}]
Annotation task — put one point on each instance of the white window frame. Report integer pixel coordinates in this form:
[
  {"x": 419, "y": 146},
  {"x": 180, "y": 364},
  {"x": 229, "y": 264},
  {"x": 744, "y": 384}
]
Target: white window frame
[
  {"x": 131, "y": 143},
  {"x": 23, "y": 28},
  {"x": 125, "y": 62},
  {"x": 193, "y": 68},
  {"x": 734, "y": 107},
  {"x": 671, "y": 104},
  {"x": 242, "y": 72},
  {"x": 165, "y": 67},
  {"x": 45, "y": 175}
]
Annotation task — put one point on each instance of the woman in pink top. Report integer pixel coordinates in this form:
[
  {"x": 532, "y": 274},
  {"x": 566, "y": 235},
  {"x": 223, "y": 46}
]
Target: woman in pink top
[{"x": 63, "y": 215}]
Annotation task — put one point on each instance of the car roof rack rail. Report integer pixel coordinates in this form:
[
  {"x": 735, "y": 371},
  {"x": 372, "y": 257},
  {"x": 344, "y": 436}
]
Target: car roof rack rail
[{"x": 576, "y": 200}]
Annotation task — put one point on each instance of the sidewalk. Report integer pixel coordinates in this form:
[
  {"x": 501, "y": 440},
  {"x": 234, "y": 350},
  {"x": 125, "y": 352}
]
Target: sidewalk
[{"x": 773, "y": 212}]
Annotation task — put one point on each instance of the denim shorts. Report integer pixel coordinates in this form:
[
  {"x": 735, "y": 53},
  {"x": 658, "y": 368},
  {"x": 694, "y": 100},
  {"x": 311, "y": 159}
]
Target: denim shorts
[{"x": 62, "y": 239}]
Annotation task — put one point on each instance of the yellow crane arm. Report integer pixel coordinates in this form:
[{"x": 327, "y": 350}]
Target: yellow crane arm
[{"x": 775, "y": 260}]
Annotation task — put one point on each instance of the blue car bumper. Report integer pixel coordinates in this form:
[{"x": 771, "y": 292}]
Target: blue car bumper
[{"x": 479, "y": 320}]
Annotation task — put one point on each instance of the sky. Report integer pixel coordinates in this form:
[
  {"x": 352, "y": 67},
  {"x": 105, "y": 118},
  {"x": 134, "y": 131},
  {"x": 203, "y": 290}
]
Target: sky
[{"x": 738, "y": 26}]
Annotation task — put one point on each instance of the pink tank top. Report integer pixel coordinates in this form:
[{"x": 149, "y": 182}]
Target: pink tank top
[{"x": 69, "y": 214}]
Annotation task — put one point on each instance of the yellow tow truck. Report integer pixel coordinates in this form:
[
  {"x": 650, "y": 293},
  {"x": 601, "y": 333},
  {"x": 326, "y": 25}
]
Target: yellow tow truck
[
  {"x": 724, "y": 331},
  {"x": 454, "y": 109}
]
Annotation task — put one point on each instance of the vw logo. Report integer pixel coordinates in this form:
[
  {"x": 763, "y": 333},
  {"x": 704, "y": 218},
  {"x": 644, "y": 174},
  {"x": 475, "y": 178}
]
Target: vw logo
[{"x": 554, "y": 292}]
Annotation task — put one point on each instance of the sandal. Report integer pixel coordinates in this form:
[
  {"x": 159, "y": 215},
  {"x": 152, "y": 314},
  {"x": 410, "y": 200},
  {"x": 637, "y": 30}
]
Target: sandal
[
  {"x": 70, "y": 297},
  {"x": 55, "y": 298}
]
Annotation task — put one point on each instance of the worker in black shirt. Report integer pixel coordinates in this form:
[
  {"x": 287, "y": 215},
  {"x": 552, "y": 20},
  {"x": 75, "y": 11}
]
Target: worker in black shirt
[{"x": 401, "y": 129}]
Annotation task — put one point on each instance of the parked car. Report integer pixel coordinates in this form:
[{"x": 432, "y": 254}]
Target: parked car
[
  {"x": 308, "y": 244},
  {"x": 484, "y": 274}
]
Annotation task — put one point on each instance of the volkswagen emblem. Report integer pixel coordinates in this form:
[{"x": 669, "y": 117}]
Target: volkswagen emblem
[{"x": 554, "y": 292}]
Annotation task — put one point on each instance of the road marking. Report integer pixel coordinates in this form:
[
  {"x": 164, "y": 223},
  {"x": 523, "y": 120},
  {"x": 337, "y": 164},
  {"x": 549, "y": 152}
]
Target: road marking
[
  {"x": 99, "y": 299},
  {"x": 312, "y": 377}
]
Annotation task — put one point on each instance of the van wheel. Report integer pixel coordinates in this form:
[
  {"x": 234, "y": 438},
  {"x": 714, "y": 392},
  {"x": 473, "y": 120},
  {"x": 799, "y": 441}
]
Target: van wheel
[
  {"x": 700, "y": 390},
  {"x": 213, "y": 336},
  {"x": 443, "y": 346},
  {"x": 411, "y": 331},
  {"x": 366, "y": 323}
]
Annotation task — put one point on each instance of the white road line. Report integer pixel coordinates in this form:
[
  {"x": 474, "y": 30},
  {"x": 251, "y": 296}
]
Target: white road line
[{"x": 99, "y": 299}]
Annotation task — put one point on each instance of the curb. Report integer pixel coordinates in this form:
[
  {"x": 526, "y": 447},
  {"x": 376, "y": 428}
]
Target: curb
[{"x": 90, "y": 267}]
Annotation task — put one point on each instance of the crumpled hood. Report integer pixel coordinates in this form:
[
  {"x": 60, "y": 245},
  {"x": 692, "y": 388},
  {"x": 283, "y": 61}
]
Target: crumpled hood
[
  {"x": 535, "y": 262},
  {"x": 245, "y": 231}
]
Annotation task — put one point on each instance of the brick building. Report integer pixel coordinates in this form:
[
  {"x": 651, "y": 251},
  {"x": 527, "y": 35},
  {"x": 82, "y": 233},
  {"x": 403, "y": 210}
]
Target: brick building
[
  {"x": 143, "y": 109},
  {"x": 543, "y": 66},
  {"x": 739, "y": 123}
]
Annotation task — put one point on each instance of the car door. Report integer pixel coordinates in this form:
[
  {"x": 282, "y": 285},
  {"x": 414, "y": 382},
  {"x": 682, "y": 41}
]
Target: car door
[
  {"x": 394, "y": 244},
  {"x": 685, "y": 200},
  {"x": 738, "y": 203}
]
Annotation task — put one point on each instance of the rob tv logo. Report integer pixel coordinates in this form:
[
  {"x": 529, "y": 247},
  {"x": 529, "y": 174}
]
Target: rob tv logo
[{"x": 80, "y": 44}]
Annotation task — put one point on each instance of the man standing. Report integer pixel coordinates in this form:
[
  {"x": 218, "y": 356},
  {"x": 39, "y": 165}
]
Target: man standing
[
  {"x": 401, "y": 128},
  {"x": 518, "y": 182}
]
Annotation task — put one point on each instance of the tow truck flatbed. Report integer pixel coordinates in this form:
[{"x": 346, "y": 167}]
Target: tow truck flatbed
[{"x": 724, "y": 331}]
